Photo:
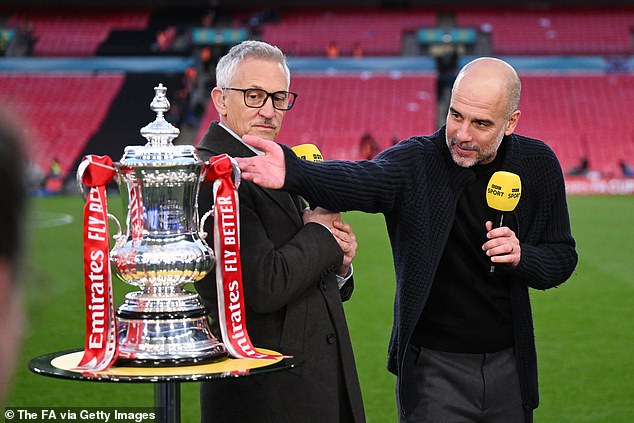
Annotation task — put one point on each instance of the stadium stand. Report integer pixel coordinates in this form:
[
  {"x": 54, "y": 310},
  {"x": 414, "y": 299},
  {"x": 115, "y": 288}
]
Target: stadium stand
[
  {"x": 570, "y": 112},
  {"x": 554, "y": 32},
  {"x": 67, "y": 32},
  {"x": 377, "y": 32},
  {"x": 575, "y": 64},
  {"x": 334, "y": 112},
  {"x": 60, "y": 111}
]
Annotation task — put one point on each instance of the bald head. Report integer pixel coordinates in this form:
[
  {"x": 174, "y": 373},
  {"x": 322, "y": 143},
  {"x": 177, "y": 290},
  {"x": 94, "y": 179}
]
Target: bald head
[
  {"x": 495, "y": 76},
  {"x": 482, "y": 110}
]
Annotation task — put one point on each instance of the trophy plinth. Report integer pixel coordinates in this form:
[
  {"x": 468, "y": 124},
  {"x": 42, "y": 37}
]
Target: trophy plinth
[{"x": 162, "y": 250}]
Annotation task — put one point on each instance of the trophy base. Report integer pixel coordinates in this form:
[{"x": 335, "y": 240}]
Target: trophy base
[
  {"x": 175, "y": 338},
  {"x": 175, "y": 362}
]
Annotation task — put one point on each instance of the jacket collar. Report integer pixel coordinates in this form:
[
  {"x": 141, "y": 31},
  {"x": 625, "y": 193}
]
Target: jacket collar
[{"x": 218, "y": 140}]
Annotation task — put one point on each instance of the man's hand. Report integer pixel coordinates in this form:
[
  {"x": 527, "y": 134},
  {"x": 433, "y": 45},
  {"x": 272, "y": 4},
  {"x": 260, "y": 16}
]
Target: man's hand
[
  {"x": 347, "y": 241},
  {"x": 341, "y": 231},
  {"x": 502, "y": 246},
  {"x": 268, "y": 170}
]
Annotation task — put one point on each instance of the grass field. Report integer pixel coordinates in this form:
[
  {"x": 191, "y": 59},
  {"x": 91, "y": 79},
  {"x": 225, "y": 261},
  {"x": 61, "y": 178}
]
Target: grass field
[{"x": 584, "y": 329}]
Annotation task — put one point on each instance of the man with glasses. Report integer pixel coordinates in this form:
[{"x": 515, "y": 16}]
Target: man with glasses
[{"x": 296, "y": 264}]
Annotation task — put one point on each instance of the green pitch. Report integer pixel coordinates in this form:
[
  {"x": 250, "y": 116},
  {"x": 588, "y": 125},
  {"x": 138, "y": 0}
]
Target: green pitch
[{"x": 584, "y": 329}]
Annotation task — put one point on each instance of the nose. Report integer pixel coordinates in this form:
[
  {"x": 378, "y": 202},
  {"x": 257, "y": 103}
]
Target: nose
[
  {"x": 462, "y": 134},
  {"x": 267, "y": 110}
]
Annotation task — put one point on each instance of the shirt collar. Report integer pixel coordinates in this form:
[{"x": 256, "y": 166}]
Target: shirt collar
[{"x": 255, "y": 150}]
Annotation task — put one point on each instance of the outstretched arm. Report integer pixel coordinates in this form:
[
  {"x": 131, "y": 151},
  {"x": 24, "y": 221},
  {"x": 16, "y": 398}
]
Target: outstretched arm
[
  {"x": 268, "y": 170},
  {"x": 373, "y": 186}
]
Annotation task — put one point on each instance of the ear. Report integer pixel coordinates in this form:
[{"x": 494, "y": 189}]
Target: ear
[
  {"x": 511, "y": 124},
  {"x": 218, "y": 97}
]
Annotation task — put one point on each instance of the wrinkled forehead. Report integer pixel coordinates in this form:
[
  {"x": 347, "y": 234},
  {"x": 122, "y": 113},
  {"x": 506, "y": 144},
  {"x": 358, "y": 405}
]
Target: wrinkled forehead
[{"x": 261, "y": 73}]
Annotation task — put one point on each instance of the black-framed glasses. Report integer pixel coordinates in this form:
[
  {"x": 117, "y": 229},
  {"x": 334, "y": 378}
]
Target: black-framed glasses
[{"x": 256, "y": 97}]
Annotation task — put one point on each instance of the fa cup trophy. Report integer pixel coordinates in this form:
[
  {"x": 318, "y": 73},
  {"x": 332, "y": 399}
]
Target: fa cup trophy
[{"x": 160, "y": 251}]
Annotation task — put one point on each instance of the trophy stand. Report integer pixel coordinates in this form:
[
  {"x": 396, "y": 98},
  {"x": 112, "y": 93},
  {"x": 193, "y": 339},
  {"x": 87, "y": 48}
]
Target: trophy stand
[{"x": 166, "y": 380}]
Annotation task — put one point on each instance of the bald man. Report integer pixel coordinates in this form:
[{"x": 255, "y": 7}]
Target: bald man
[{"x": 462, "y": 344}]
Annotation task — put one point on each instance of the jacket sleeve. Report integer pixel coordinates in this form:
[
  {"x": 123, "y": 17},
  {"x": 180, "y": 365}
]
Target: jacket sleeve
[
  {"x": 346, "y": 290},
  {"x": 371, "y": 186},
  {"x": 281, "y": 259},
  {"x": 548, "y": 248}
]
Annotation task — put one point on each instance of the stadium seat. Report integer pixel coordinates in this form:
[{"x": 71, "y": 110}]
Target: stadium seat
[
  {"x": 75, "y": 33},
  {"x": 569, "y": 113},
  {"x": 377, "y": 32},
  {"x": 60, "y": 112},
  {"x": 549, "y": 32}
]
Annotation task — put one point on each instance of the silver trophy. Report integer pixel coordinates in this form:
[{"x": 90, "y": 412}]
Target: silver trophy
[{"x": 162, "y": 250}]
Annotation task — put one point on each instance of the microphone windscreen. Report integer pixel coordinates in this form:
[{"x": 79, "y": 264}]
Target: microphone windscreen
[
  {"x": 308, "y": 152},
  {"x": 504, "y": 191}
]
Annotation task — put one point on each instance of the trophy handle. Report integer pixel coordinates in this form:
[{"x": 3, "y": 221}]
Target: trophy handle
[
  {"x": 201, "y": 232},
  {"x": 83, "y": 189},
  {"x": 103, "y": 179},
  {"x": 119, "y": 232},
  {"x": 236, "y": 172}
]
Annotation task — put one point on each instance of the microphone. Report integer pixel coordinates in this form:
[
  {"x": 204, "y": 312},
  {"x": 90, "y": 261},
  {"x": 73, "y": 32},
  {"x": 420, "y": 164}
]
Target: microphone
[
  {"x": 308, "y": 152},
  {"x": 503, "y": 194}
]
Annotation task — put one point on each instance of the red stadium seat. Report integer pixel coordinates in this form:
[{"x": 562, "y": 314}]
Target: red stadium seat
[
  {"x": 570, "y": 113},
  {"x": 60, "y": 111},
  {"x": 75, "y": 33},
  {"x": 549, "y": 32},
  {"x": 377, "y": 32}
]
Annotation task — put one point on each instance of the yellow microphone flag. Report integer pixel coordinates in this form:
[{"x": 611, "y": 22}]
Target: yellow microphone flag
[
  {"x": 308, "y": 152},
  {"x": 504, "y": 191}
]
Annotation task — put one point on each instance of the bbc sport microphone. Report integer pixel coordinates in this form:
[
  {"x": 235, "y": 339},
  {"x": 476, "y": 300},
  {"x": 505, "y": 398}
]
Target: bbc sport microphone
[
  {"x": 308, "y": 152},
  {"x": 503, "y": 194}
]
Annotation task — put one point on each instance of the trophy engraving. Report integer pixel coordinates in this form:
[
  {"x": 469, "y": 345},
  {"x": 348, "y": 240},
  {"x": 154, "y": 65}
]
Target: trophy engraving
[{"x": 162, "y": 250}]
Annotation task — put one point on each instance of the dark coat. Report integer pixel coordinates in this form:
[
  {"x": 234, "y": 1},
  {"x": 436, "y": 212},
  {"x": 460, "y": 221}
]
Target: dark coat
[
  {"x": 293, "y": 306},
  {"x": 416, "y": 185}
]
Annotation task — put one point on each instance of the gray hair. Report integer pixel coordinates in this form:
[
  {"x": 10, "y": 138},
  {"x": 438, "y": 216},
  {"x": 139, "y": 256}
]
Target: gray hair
[
  {"x": 514, "y": 92},
  {"x": 228, "y": 64}
]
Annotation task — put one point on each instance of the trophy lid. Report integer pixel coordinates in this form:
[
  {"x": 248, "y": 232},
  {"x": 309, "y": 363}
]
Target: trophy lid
[
  {"x": 159, "y": 150},
  {"x": 160, "y": 132}
]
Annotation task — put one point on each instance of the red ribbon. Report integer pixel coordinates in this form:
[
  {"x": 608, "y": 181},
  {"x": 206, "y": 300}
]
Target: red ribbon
[
  {"x": 100, "y": 349},
  {"x": 231, "y": 312},
  {"x": 136, "y": 212}
]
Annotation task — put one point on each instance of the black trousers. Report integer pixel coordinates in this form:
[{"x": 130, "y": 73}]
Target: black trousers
[{"x": 467, "y": 388}]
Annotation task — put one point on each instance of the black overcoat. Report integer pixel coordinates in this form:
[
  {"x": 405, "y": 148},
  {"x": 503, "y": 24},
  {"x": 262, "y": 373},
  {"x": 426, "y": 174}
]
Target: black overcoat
[{"x": 293, "y": 306}]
